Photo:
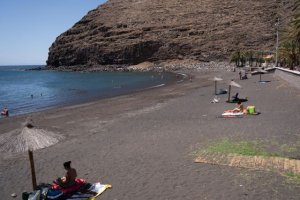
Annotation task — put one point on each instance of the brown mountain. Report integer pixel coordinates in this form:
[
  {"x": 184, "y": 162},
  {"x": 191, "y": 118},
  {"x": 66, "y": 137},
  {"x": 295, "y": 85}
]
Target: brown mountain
[{"x": 125, "y": 32}]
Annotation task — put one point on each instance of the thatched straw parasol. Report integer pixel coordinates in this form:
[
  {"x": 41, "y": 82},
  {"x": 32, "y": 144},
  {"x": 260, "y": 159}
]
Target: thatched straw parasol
[{"x": 30, "y": 138}]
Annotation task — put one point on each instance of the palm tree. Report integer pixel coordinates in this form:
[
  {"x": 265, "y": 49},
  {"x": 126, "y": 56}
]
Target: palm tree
[
  {"x": 243, "y": 58},
  {"x": 239, "y": 57},
  {"x": 235, "y": 57},
  {"x": 258, "y": 56},
  {"x": 250, "y": 56},
  {"x": 289, "y": 52}
]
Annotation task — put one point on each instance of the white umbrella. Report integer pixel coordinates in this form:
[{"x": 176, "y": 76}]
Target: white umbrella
[
  {"x": 216, "y": 79},
  {"x": 261, "y": 71},
  {"x": 235, "y": 84},
  {"x": 232, "y": 83}
]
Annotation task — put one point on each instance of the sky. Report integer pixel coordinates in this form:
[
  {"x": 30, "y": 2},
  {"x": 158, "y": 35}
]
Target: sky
[{"x": 29, "y": 27}]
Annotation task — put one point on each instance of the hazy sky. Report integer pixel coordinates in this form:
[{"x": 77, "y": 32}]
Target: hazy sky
[{"x": 29, "y": 27}]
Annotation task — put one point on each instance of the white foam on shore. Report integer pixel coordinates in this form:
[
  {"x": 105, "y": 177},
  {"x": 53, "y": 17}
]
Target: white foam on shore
[
  {"x": 156, "y": 86},
  {"x": 183, "y": 75},
  {"x": 29, "y": 138}
]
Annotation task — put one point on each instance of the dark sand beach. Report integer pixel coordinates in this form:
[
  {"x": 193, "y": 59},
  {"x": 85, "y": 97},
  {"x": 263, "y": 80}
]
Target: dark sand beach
[{"x": 143, "y": 143}]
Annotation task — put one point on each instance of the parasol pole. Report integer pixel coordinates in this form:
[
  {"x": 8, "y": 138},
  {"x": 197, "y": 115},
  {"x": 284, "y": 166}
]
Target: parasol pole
[
  {"x": 215, "y": 87},
  {"x": 260, "y": 77},
  {"x": 229, "y": 90},
  {"x": 30, "y": 153}
]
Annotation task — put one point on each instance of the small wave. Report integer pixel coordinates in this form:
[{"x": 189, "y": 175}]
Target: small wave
[
  {"x": 156, "y": 86},
  {"x": 183, "y": 77}
]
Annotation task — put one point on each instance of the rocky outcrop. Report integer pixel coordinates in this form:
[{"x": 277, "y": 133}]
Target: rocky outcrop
[{"x": 128, "y": 32}]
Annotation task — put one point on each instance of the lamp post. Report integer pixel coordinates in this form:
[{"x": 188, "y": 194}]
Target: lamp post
[{"x": 277, "y": 41}]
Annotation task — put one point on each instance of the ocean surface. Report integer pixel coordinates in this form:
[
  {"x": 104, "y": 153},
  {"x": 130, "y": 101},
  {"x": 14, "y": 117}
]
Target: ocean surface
[{"x": 24, "y": 91}]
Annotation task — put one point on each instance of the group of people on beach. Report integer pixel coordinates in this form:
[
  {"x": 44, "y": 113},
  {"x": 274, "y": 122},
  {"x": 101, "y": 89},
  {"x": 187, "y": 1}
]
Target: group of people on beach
[
  {"x": 242, "y": 77},
  {"x": 5, "y": 111}
]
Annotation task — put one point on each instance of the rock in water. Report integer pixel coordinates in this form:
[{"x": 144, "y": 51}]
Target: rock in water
[{"x": 127, "y": 32}]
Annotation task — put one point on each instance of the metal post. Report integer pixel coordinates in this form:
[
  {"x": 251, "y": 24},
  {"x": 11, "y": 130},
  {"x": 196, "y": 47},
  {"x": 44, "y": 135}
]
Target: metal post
[
  {"x": 277, "y": 41},
  {"x": 229, "y": 91},
  {"x": 259, "y": 77},
  {"x": 30, "y": 153},
  {"x": 215, "y": 87}
]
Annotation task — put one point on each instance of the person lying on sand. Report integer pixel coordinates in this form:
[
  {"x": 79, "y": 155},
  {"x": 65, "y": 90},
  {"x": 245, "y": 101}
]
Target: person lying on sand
[
  {"x": 238, "y": 108},
  {"x": 69, "y": 179}
]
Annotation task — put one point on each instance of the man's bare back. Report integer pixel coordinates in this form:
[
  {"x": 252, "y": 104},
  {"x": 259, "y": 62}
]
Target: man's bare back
[{"x": 71, "y": 175}]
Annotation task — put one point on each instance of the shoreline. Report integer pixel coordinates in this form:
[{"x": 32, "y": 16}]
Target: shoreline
[
  {"x": 180, "y": 77},
  {"x": 159, "y": 66},
  {"x": 170, "y": 93},
  {"x": 184, "y": 69},
  {"x": 184, "y": 78}
]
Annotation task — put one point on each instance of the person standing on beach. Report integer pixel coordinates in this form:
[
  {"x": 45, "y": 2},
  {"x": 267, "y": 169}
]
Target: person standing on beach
[
  {"x": 5, "y": 112},
  {"x": 69, "y": 179}
]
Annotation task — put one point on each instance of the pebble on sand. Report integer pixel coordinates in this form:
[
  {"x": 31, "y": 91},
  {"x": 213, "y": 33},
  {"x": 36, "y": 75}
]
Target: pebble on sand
[{"x": 14, "y": 195}]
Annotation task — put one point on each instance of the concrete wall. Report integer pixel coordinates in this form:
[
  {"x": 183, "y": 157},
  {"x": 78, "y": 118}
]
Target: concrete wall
[{"x": 293, "y": 77}]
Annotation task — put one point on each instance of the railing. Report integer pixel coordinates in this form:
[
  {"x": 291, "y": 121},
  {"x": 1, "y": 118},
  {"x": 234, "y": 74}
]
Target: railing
[
  {"x": 292, "y": 77},
  {"x": 288, "y": 70}
]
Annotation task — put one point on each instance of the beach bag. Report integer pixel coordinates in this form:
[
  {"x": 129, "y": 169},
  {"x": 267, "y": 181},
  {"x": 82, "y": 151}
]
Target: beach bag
[{"x": 251, "y": 109}]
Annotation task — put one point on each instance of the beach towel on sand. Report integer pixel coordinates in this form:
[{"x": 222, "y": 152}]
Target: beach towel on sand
[
  {"x": 236, "y": 114},
  {"x": 232, "y": 114},
  {"x": 87, "y": 191}
]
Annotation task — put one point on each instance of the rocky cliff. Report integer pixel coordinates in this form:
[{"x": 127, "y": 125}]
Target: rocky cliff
[{"x": 126, "y": 32}]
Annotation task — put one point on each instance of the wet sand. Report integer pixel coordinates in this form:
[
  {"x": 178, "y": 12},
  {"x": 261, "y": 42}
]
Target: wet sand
[{"x": 142, "y": 143}]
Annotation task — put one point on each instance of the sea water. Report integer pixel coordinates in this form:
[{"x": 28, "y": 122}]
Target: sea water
[{"x": 25, "y": 91}]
